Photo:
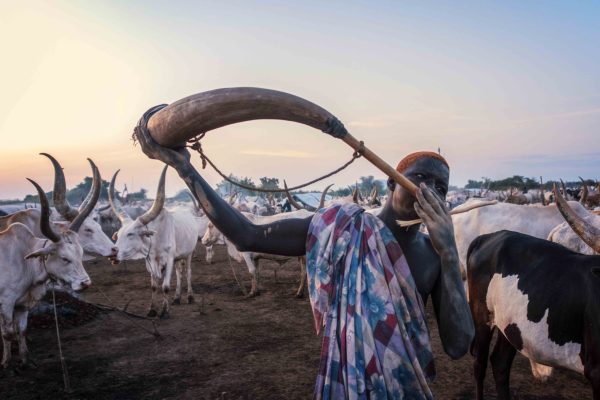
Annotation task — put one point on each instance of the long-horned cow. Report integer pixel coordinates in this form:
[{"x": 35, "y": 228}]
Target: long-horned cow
[
  {"x": 535, "y": 220},
  {"x": 543, "y": 299},
  {"x": 92, "y": 238},
  {"x": 163, "y": 238},
  {"x": 26, "y": 263}
]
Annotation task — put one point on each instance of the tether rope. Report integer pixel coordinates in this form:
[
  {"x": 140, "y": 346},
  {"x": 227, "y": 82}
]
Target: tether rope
[{"x": 195, "y": 144}]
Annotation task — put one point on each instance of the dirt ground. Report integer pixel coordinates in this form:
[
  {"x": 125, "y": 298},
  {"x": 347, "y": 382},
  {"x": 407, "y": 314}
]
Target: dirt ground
[{"x": 223, "y": 346}]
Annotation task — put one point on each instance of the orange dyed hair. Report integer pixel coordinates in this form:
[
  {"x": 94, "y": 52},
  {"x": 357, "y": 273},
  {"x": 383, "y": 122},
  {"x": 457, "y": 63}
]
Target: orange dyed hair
[{"x": 413, "y": 157}]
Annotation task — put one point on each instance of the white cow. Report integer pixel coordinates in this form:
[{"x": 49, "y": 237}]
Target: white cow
[
  {"x": 92, "y": 238},
  {"x": 163, "y": 238},
  {"x": 535, "y": 220},
  {"x": 214, "y": 236},
  {"x": 27, "y": 262},
  {"x": 563, "y": 234}
]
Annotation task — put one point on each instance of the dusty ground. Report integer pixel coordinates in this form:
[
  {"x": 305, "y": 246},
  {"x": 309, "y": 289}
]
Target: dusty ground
[{"x": 222, "y": 347}]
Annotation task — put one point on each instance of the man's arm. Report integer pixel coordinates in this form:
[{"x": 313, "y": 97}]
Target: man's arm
[
  {"x": 449, "y": 299},
  {"x": 286, "y": 237}
]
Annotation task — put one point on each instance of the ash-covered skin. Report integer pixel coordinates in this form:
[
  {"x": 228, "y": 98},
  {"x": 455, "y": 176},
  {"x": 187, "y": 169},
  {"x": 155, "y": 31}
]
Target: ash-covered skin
[{"x": 433, "y": 259}]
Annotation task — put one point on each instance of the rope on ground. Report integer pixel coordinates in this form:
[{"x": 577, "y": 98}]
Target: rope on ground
[
  {"x": 197, "y": 146},
  {"x": 129, "y": 316},
  {"x": 63, "y": 364},
  {"x": 236, "y": 278}
]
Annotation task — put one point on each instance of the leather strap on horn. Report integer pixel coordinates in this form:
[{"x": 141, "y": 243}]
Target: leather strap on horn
[{"x": 45, "y": 217}]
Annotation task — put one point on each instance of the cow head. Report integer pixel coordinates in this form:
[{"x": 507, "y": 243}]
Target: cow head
[
  {"x": 134, "y": 238},
  {"x": 92, "y": 238},
  {"x": 63, "y": 254},
  {"x": 211, "y": 236}
]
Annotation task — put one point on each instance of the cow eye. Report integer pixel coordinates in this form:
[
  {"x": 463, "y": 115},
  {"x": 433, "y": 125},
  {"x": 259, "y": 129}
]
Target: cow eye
[
  {"x": 129, "y": 234},
  {"x": 66, "y": 260},
  {"x": 88, "y": 230}
]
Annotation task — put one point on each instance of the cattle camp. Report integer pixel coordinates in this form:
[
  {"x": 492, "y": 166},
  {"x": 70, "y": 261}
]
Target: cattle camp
[{"x": 267, "y": 200}]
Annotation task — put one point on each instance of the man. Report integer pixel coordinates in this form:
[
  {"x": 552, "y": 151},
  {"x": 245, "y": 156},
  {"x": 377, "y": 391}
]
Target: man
[{"x": 399, "y": 268}]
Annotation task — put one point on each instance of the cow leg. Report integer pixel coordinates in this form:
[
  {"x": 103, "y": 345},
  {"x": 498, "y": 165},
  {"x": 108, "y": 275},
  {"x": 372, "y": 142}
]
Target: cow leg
[
  {"x": 502, "y": 358},
  {"x": 300, "y": 291},
  {"x": 166, "y": 287},
  {"x": 253, "y": 269},
  {"x": 480, "y": 349},
  {"x": 8, "y": 332},
  {"x": 178, "y": 268},
  {"x": 209, "y": 254},
  {"x": 154, "y": 286},
  {"x": 21, "y": 328},
  {"x": 190, "y": 291}
]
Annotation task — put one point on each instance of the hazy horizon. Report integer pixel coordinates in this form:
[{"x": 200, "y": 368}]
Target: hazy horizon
[{"x": 502, "y": 88}]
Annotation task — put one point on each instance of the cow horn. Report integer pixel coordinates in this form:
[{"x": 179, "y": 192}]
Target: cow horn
[
  {"x": 95, "y": 178},
  {"x": 584, "y": 195},
  {"x": 232, "y": 197},
  {"x": 564, "y": 189},
  {"x": 112, "y": 200},
  {"x": 45, "y": 217},
  {"x": 290, "y": 198},
  {"x": 159, "y": 201},
  {"x": 355, "y": 195},
  {"x": 322, "y": 201},
  {"x": 91, "y": 200},
  {"x": 542, "y": 194},
  {"x": 586, "y": 231},
  {"x": 59, "y": 194},
  {"x": 191, "y": 196}
]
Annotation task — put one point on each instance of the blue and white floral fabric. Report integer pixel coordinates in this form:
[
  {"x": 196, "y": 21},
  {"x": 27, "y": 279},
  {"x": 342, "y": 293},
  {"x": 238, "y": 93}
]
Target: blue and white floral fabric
[{"x": 376, "y": 341}]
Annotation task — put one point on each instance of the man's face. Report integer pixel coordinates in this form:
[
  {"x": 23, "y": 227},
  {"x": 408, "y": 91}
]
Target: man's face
[{"x": 432, "y": 172}]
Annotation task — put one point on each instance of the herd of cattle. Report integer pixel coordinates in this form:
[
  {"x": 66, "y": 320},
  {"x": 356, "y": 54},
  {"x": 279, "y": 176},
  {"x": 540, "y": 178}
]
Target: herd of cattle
[{"x": 530, "y": 263}]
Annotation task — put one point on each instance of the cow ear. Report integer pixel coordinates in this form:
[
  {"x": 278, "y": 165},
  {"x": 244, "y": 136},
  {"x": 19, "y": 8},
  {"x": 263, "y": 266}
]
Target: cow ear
[
  {"x": 39, "y": 253},
  {"x": 595, "y": 271},
  {"x": 147, "y": 233}
]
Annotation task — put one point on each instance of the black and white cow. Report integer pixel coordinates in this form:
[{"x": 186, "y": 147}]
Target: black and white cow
[{"x": 542, "y": 297}]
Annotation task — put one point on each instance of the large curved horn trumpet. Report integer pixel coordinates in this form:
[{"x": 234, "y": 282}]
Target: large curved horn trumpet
[
  {"x": 45, "y": 217},
  {"x": 159, "y": 201},
  {"x": 586, "y": 231},
  {"x": 173, "y": 125},
  {"x": 112, "y": 200},
  {"x": 91, "y": 200},
  {"x": 59, "y": 194}
]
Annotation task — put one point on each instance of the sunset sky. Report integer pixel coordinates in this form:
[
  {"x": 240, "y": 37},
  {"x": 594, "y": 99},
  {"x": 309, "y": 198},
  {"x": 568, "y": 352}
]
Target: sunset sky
[{"x": 502, "y": 88}]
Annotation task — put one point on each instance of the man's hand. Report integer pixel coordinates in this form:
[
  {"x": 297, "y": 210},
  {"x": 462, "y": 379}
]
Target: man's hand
[{"x": 432, "y": 211}]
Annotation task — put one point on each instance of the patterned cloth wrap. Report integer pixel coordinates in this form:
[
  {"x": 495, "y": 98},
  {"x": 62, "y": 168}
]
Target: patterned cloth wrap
[{"x": 376, "y": 341}]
